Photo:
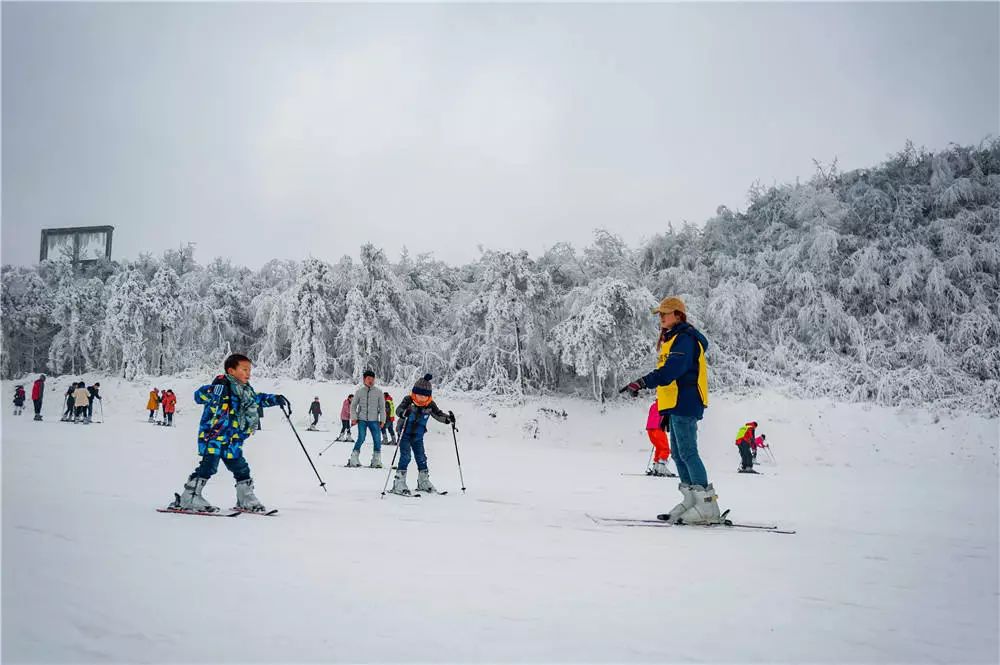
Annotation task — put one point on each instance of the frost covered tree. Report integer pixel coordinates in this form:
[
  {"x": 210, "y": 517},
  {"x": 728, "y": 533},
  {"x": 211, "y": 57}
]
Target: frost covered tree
[
  {"x": 26, "y": 303},
  {"x": 165, "y": 312},
  {"x": 609, "y": 333},
  {"x": 500, "y": 345},
  {"x": 377, "y": 329},
  {"x": 78, "y": 311},
  {"x": 123, "y": 334},
  {"x": 311, "y": 320}
]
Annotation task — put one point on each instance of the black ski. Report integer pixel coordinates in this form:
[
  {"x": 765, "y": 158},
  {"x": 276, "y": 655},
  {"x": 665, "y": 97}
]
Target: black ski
[
  {"x": 438, "y": 493},
  {"x": 267, "y": 513}
]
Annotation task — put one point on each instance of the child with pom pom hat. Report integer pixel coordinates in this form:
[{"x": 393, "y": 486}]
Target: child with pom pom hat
[{"x": 413, "y": 413}]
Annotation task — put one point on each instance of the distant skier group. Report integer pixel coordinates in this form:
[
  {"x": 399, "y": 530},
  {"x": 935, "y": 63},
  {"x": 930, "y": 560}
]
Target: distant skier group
[{"x": 165, "y": 400}]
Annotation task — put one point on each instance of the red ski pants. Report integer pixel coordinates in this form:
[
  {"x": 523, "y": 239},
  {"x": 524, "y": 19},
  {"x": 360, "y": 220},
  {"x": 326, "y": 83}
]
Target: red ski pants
[{"x": 661, "y": 444}]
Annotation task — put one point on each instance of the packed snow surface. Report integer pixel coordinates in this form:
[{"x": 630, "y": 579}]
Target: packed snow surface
[{"x": 894, "y": 559}]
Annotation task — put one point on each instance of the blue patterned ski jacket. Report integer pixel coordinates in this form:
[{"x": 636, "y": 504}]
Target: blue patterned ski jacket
[{"x": 219, "y": 433}]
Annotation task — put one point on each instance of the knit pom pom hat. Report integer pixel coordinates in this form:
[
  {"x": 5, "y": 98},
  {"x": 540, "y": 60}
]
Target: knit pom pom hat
[{"x": 423, "y": 386}]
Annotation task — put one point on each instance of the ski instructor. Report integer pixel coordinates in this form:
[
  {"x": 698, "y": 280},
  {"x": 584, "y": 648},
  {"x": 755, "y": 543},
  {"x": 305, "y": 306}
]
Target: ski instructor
[{"x": 681, "y": 382}]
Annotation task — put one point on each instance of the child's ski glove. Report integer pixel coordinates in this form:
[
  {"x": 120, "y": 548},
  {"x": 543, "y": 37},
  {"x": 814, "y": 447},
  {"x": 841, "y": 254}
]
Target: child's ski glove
[{"x": 283, "y": 402}]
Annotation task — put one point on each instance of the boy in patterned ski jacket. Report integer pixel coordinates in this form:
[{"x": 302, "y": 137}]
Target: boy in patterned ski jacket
[
  {"x": 413, "y": 413},
  {"x": 230, "y": 416}
]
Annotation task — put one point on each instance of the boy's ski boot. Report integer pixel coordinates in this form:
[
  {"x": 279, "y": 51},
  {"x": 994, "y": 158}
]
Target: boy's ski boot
[
  {"x": 245, "y": 498},
  {"x": 355, "y": 460},
  {"x": 424, "y": 483},
  {"x": 192, "y": 499},
  {"x": 399, "y": 484}
]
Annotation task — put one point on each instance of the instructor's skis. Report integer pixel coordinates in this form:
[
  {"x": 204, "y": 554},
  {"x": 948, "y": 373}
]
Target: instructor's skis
[{"x": 725, "y": 524}]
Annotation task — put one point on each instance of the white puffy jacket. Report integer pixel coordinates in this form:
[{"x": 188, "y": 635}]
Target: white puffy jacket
[{"x": 369, "y": 404}]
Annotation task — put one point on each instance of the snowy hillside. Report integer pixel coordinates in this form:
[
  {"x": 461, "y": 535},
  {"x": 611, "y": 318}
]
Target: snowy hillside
[
  {"x": 876, "y": 285},
  {"x": 895, "y": 556}
]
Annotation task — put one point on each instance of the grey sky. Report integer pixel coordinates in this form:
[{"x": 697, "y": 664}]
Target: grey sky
[{"x": 265, "y": 131}]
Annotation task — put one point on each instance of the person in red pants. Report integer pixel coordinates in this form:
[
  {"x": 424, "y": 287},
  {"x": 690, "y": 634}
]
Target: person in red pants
[{"x": 661, "y": 442}]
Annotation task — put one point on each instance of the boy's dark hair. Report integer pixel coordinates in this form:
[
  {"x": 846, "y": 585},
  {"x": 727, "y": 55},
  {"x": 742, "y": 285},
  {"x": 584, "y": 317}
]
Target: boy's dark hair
[{"x": 234, "y": 360}]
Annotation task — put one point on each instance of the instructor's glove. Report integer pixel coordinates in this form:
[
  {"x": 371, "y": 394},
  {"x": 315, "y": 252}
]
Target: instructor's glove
[
  {"x": 634, "y": 387},
  {"x": 282, "y": 401}
]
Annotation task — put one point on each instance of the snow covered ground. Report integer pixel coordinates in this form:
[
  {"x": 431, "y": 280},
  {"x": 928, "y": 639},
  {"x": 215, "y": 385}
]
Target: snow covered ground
[{"x": 895, "y": 559}]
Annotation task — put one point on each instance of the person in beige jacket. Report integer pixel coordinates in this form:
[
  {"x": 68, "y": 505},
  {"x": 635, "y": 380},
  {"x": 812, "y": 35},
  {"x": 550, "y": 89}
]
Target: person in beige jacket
[
  {"x": 81, "y": 398},
  {"x": 368, "y": 413}
]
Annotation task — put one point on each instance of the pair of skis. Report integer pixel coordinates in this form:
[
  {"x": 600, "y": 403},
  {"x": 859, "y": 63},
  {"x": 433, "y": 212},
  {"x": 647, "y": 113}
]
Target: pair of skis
[
  {"x": 219, "y": 513},
  {"x": 233, "y": 512},
  {"x": 726, "y": 523},
  {"x": 416, "y": 494}
]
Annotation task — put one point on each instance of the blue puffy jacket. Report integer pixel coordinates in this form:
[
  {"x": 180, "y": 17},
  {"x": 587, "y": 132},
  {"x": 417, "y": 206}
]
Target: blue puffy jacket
[
  {"x": 219, "y": 433},
  {"x": 682, "y": 367},
  {"x": 413, "y": 418}
]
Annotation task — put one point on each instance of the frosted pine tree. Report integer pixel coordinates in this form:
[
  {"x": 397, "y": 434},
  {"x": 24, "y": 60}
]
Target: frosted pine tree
[
  {"x": 26, "y": 303},
  {"x": 377, "y": 328},
  {"x": 78, "y": 311},
  {"x": 500, "y": 344},
  {"x": 165, "y": 311},
  {"x": 609, "y": 333},
  {"x": 123, "y": 340},
  {"x": 311, "y": 321}
]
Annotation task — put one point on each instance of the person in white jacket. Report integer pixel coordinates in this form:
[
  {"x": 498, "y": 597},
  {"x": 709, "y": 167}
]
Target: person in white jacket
[
  {"x": 368, "y": 413},
  {"x": 81, "y": 398}
]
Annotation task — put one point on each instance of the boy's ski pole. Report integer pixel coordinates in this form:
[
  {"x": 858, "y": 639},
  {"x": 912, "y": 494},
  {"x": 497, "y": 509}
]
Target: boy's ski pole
[
  {"x": 393, "y": 462},
  {"x": 288, "y": 417},
  {"x": 454, "y": 437}
]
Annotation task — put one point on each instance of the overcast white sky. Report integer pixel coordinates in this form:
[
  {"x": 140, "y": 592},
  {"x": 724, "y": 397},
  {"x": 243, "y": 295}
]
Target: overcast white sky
[{"x": 263, "y": 130}]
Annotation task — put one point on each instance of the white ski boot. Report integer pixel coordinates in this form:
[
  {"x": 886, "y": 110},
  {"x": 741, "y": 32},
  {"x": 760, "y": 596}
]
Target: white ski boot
[
  {"x": 705, "y": 509},
  {"x": 424, "y": 483},
  {"x": 246, "y": 499},
  {"x": 376, "y": 462},
  {"x": 399, "y": 483},
  {"x": 355, "y": 459},
  {"x": 192, "y": 499},
  {"x": 686, "y": 502}
]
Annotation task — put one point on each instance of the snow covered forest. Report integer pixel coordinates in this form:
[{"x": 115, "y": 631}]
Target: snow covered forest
[{"x": 875, "y": 285}]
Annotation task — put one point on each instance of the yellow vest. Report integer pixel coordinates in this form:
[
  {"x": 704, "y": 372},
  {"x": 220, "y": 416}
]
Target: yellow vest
[{"x": 666, "y": 396}]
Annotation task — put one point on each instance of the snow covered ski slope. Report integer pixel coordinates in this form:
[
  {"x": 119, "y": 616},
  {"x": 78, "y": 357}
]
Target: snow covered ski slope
[{"x": 894, "y": 559}]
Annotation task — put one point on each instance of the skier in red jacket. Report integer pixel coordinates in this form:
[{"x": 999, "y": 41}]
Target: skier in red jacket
[{"x": 37, "y": 393}]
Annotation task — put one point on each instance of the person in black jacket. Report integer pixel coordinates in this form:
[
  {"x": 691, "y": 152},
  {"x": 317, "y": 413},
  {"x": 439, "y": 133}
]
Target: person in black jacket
[
  {"x": 315, "y": 410},
  {"x": 95, "y": 393}
]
